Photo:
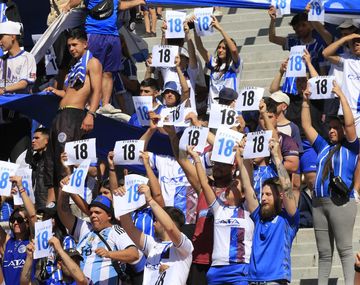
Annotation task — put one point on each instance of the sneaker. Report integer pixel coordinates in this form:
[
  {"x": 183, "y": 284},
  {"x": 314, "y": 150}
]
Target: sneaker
[
  {"x": 153, "y": 34},
  {"x": 108, "y": 109},
  {"x": 132, "y": 26},
  {"x": 147, "y": 35}
]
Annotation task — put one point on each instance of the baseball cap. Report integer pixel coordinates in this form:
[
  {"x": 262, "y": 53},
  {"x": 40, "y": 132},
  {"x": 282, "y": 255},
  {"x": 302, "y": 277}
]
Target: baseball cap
[
  {"x": 280, "y": 97},
  {"x": 347, "y": 24},
  {"x": 69, "y": 247},
  {"x": 171, "y": 86},
  {"x": 10, "y": 28},
  {"x": 227, "y": 94},
  {"x": 184, "y": 52},
  {"x": 104, "y": 203}
]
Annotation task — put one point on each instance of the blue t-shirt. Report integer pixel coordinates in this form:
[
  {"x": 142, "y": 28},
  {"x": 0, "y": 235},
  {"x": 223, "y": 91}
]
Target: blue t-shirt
[
  {"x": 270, "y": 258},
  {"x": 262, "y": 173},
  {"x": 14, "y": 260},
  {"x": 343, "y": 162},
  {"x": 103, "y": 27},
  {"x": 134, "y": 121},
  {"x": 315, "y": 48}
]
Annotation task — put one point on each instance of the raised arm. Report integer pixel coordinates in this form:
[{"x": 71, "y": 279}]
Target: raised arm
[
  {"x": 275, "y": 84},
  {"x": 190, "y": 45},
  {"x": 161, "y": 216},
  {"x": 245, "y": 168},
  {"x": 268, "y": 125},
  {"x": 76, "y": 273},
  {"x": 350, "y": 130},
  {"x": 113, "y": 180},
  {"x": 229, "y": 42},
  {"x": 208, "y": 192},
  {"x": 149, "y": 132},
  {"x": 29, "y": 206},
  {"x": 153, "y": 181},
  {"x": 185, "y": 91},
  {"x": 201, "y": 49},
  {"x": 307, "y": 58},
  {"x": 289, "y": 199},
  {"x": 309, "y": 130},
  {"x": 330, "y": 51},
  {"x": 63, "y": 207},
  {"x": 137, "y": 236},
  {"x": 184, "y": 162},
  {"x": 273, "y": 38},
  {"x": 25, "y": 277}
]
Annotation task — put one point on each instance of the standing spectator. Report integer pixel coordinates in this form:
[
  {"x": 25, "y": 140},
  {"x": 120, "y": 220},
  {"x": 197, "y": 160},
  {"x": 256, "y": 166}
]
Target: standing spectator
[
  {"x": 275, "y": 228},
  {"x": 17, "y": 74},
  {"x": 150, "y": 19},
  {"x": 303, "y": 36},
  {"x": 224, "y": 67},
  {"x": 35, "y": 157},
  {"x": 103, "y": 38},
  {"x": 334, "y": 211},
  {"x": 72, "y": 121},
  {"x": 100, "y": 242},
  {"x": 168, "y": 258}
]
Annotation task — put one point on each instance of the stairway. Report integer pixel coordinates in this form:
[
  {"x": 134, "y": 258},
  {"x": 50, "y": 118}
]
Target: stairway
[{"x": 262, "y": 59}]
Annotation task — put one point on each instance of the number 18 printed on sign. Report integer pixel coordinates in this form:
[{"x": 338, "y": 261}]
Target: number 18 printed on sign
[
  {"x": 132, "y": 200},
  {"x": 128, "y": 152},
  {"x": 7, "y": 169},
  {"x": 257, "y": 144},
  {"x": 164, "y": 56},
  {"x": 43, "y": 232},
  {"x": 77, "y": 179},
  {"x": 296, "y": 65},
  {"x": 78, "y": 151},
  {"x": 175, "y": 24},
  {"x": 203, "y": 21}
]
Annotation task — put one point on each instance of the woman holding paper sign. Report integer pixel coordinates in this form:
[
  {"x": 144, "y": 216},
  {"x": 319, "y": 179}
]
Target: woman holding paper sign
[
  {"x": 224, "y": 65},
  {"x": 14, "y": 245},
  {"x": 334, "y": 207},
  {"x": 233, "y": 228}
]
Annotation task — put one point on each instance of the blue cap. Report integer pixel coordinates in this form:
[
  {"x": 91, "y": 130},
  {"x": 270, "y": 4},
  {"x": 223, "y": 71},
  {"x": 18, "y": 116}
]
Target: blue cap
[
  {"x": 104, "y": 203},
  {"x": 227, "y": 94},
  {"x": 171, "y": 86},
  {"x": 69, "y": 246}
]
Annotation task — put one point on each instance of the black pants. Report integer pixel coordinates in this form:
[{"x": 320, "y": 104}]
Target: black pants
[
  {"x": 65, "y": 128},
  {"x": 197, "y": 275}
]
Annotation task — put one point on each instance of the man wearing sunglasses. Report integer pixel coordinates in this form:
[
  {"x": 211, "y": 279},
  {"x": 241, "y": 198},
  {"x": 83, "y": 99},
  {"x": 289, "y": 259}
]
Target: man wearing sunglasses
[{"x": 14, "y": 245}]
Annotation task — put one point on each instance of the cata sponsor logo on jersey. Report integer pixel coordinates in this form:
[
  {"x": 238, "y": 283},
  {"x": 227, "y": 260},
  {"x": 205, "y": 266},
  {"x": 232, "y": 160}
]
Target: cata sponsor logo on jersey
[{"x": 231, "y": 221}]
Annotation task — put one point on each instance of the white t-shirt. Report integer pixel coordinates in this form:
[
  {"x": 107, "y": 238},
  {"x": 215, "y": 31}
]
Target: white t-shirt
[
  {"x": 166, "y": 263},
  {"x": 19, "y": 67},
  {"x": 233, "y": 233},
  {"x": 170, "y": 74},
  {"x": 95, "y": 267}
]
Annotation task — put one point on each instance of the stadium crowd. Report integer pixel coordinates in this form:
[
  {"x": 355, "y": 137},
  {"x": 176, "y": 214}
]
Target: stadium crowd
[{"x": 222, "y": 211}]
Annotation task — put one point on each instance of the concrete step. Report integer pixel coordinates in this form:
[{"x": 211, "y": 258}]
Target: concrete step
[
  {"x": 314, "y": 281},
  {"x": 310, "y": 247},
  {"x": 312, "y": 272},
  {"x": 305, "y": 235},
  {"x": 258, "y": 82}
]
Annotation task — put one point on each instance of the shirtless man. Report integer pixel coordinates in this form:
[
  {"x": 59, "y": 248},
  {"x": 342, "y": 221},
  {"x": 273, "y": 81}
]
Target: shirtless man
[{"x": 82, "y": 88}]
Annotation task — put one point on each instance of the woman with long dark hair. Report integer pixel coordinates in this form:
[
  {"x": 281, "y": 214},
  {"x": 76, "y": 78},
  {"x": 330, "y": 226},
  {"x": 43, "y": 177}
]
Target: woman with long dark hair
[
  {"x": 224, "y": 66},
  {"x": 334, "y": 208}
]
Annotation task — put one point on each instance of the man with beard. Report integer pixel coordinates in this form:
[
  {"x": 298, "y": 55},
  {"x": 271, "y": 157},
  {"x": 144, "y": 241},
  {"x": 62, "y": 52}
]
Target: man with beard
[{"x": 275, "y": 228}]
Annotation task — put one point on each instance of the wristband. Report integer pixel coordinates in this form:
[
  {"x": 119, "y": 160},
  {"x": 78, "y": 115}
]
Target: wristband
[
  {"x": 111, "y": 169},
  {"x": 21, "y": 190},
  {"x": 357, "y": 268},
  {"x": 92, "y": 113}
]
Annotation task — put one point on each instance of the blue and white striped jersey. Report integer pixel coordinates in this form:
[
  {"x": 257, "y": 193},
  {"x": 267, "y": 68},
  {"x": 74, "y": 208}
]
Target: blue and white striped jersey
[{"x": 95, "y": 267}]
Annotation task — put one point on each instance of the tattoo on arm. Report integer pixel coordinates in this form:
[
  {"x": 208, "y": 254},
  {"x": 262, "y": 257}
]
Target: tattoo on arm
[{"x": 285, "y": 180}]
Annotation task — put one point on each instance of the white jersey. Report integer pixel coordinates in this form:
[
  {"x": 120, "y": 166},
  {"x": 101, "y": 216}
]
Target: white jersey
[
  {"x": 95, "y": 267},
  {"x": 229, "y": 78},
  {"x": 233, "y": 233},
  {"x": 175, "y": 187},
  {"x": 19, "y": 67},
  {"x": 170, "y": 74},
  {"x": 167, "y": 264},
  {"x": 351, "y": 82}
]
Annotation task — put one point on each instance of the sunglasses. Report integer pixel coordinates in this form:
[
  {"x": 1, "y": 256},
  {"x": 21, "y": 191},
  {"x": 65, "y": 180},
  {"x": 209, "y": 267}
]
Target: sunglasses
[{"x": 18, "y": 219}]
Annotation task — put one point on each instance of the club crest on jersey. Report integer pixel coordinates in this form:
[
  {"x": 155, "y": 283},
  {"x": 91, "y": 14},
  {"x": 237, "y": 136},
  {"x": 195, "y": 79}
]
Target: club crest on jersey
[
  {"x": 22, "y": 248},
  {"x": 61, "y": 137}
]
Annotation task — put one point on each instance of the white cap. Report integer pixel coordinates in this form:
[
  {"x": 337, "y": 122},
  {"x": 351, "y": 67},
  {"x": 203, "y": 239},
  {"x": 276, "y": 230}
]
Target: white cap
[
  {"x": 280, "y": 97},
  {"x": 347, "y": 24},
  {"x": 184, "y": 52},
  {"x": 10, "y": 28}
]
